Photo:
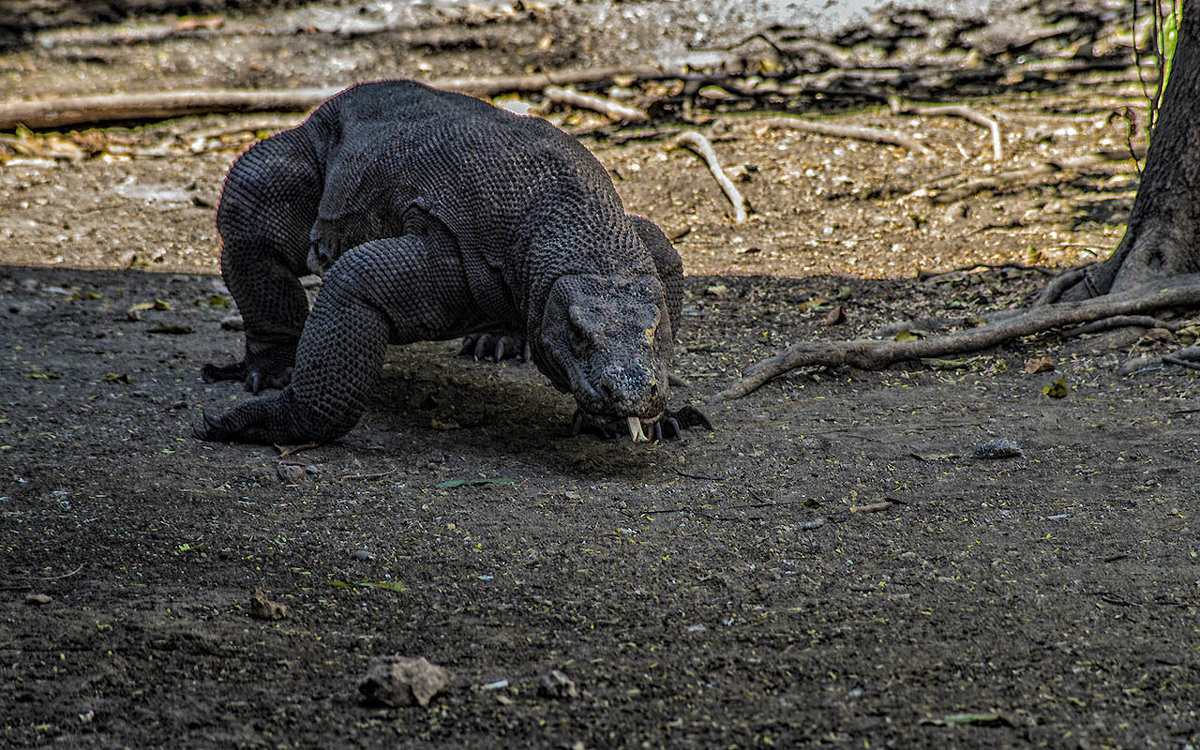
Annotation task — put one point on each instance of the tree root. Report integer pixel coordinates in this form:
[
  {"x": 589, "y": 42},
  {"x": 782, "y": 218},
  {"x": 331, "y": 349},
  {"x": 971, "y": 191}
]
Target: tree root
[
  {"x": 871, "y": 354},
  {"x": 1053, "y": 291},
  {"x": 1188, "y": 357},
  {"x": 701, "y": 146},
  {"x": 1123, "y": 321}
]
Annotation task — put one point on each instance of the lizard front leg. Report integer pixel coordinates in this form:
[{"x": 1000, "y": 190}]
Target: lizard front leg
[{"x": 385, "y": 291}]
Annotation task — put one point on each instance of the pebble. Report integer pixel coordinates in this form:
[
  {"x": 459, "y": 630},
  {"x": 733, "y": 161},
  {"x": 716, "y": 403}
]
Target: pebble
[
  {"x": 998, "y": 448},
  {"x": 291, "y": 473},
  {"x": 555, "y": 684}
]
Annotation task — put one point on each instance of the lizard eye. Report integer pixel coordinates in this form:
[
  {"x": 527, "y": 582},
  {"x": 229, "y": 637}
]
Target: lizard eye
[{"x": 578, "y": 327}]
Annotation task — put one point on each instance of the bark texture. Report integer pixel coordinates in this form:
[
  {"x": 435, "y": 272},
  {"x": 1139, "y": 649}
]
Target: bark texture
[{"x": 1163, "y": 236}]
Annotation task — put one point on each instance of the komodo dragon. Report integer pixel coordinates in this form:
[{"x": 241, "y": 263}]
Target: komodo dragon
[{"x": 433, "y": 215}]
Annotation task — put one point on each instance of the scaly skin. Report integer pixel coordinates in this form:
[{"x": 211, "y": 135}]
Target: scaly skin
[{"x": 432, "y": 215}]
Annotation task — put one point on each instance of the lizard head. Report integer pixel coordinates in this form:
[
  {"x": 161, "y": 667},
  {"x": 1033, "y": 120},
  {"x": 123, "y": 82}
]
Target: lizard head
[{"x": 607, "y": 341}]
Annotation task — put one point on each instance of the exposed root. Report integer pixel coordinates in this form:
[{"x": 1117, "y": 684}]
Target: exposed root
[
  {"x": 1053, "y": 291},
  {"x": 1188, "y": 357},
  {"x": 1123, "y": 321},
  {"x": 876, "y": 135},
  {"x": 701, "y": 146},
  {"x": 872, "y": 354}
]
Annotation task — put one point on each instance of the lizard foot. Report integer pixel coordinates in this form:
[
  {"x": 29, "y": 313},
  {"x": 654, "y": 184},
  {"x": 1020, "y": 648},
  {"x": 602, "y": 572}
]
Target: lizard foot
[
  {"x": 496, "y": 346},
  {"x": 276, "y": 419},
  {"x": 244, "y": 424},
  {"x": 268, "y": 367},
  {"x": 669, "y": 426}
]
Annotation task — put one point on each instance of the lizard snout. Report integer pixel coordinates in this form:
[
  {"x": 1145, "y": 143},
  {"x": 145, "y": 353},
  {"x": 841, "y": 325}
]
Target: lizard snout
[{"x": 630, "y": 388}]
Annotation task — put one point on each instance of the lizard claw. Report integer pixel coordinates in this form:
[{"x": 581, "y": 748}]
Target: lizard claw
[
  {"x": 209, "y": 429},
  {"x": 495, "y": 347},
  {"x": 687, "y": 418},
  {"x": 265, "y": 366}
]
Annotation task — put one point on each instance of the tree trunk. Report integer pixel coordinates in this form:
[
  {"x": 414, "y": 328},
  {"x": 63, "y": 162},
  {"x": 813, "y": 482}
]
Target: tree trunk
[{"x": 1162, "y": 238}]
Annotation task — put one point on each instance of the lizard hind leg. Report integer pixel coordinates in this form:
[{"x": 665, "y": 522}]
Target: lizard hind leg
[{"x": 268, "y": 206}]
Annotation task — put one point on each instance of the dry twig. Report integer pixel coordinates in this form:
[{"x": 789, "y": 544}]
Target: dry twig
[
  {"x": 876, "y": 135},
  {"x": 953, "y": 110},
  {"x": 878, "y": 507},
  {"x": 871, "y": 354},
  {"x": 701, "y": 146},
  {"x": 599, "y": 104}
]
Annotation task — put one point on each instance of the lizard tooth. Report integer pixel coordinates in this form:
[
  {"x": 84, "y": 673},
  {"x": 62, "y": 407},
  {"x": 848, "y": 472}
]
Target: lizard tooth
[{"x": 635, "y": 430}]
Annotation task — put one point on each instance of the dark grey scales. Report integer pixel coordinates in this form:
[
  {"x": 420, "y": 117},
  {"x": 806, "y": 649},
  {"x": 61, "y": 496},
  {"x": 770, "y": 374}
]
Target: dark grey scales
[{"x": 434, "y": 215}]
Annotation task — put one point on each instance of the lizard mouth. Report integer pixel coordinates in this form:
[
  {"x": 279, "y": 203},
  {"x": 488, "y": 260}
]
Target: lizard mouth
[{"x": 613, "y": 426}]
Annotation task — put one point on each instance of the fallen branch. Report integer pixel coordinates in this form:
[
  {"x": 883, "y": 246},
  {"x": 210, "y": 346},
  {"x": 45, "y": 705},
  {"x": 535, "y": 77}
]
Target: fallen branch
[
  {"x": 953, "y": 110},
  {"x": 701, "y": 146},
  {"x": 872, "y": 354},
  {"x": 597, "y": 103},
  {"x": 136, "y": 107},
  {"x": 876, "y": 135},
  {"x": 108, "y": 108}
]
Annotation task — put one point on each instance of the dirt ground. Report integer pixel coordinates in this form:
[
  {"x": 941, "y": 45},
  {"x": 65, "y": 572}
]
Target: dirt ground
[{"x": 848, "y": 558}]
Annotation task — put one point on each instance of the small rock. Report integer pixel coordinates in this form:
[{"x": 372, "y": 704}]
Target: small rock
[
  {"x": 233, "y": 323},
  {"x": 292, "y": 473},
  {"x": 555, "y": 684},
  {"x": 262, "y": 608},
  {"x": 998, "y": 448},
  {"x": 402, "y": 681},
  {"x": 38, "y": 599}
]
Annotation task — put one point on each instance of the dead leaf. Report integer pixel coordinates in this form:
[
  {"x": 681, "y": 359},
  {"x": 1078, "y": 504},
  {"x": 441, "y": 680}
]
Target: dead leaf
[
  {"x": 1057, "y": 389},
  {"x": 1039, "y": 364}
]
